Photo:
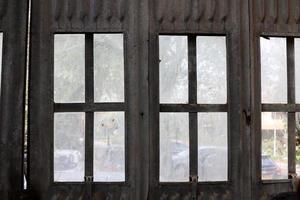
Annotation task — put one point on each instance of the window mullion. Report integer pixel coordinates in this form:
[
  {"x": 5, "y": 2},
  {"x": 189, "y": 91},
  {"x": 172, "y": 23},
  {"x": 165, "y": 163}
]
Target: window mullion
[
  {"x": 291, "y": 101},
  {"x": 193, "y": 118},
  {"x": 89, "y": 99}
]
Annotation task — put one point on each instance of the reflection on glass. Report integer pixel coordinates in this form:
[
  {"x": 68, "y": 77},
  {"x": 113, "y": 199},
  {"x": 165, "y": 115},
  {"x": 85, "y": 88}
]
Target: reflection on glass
[
  {"x": 69, "y": 62},
  {"x": 173, "y": 74},
  {"x": 297, "y": 69},
  {"x": 109, "y": 67},
  {"x": 212, "y": 147},
  {"x": 69, "y": 147},
  {"x": 211, "y": 70},
  {"x": 297, "y": 143},
  {"x": 174, "y": 147},
  {"x": 274, "y": 158},
  {"x": 109, "y": 147},
  {"x": 273, "y": 70}
]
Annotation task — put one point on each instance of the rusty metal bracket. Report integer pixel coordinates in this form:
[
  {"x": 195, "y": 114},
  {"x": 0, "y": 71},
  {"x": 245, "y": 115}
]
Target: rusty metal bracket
[
  {"x": 89, "y": 186},
  {"x": 88, "y": 179},
  {"x": 294, "y": 182}
]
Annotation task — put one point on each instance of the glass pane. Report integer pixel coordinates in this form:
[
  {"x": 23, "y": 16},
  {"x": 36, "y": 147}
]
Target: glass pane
[
  {"x": 69, "y": 141},
  {"x": 274, "y": 158},
  {"x": 109, "y": 67},
  {"x": 109, "y": 146},
  {"x": 211, "y": 70},
  {"x": 173, "y": 74},
  {"x": 297, "y": 68},
  {"x": 69, "y": 62},
  {"x": 273, "y": 70},
  {"x": 174, "y": 147},
  {"x": 212, "y": 147},
  {"x": 297, "y": 143}
]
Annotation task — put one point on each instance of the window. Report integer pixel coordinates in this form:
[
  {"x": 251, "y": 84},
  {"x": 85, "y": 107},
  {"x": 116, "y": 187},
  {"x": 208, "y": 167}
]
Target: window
[
  {"x": 193, "y": 106},
  {"x": 89, "y": 119},
  {"x": 279, "y": 70}
]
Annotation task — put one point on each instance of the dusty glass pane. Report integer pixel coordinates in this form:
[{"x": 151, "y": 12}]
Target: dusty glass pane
[
  {"x": 211, "y": 70},
  {"x": 69, "y": 141},
  {"x": 297, "y": 69},
  {"x": 69, "y": 62},
  {"x": 109, "y": 67},
  {"x": 273, "y": 70},
  {"x": 274, "y": 158},
  {"x": 298, "y": 143},
  {"x": 174, "y": 147},
  {"x": 109, "y": 146},
  {"x": 173, "y": 74},
  {"x": 212, "y": 147}
]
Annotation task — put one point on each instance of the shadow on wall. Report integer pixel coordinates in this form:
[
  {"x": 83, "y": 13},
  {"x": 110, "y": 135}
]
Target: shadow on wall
[
  {"x": 286, "y": 196},
  {"x": 290, "y": 195}
]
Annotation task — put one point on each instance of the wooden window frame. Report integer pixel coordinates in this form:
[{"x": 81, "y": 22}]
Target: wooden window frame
[
  {"x": 90, "y": 107},
  {"x": 193, "y": 108},
  {"x": 291, "y": 108}
]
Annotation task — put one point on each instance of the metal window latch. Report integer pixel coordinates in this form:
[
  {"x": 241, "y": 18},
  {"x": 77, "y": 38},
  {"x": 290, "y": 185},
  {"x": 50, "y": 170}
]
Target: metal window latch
[
  {"x": 88, "y": 179},
  {"x": 295, "y": 181},
  {"x": 194, "y": 178}
]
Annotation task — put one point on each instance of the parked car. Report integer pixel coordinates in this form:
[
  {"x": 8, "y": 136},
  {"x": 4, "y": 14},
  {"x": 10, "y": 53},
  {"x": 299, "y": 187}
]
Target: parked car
[
  {"x": 66, "y": 159},
  {"x": 269, "y": 169},
  {"x": 212, "y": 164}
]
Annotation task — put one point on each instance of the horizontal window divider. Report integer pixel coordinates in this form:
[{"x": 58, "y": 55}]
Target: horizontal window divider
[
  {"x": 120, "y": 184},
  {"x": 88, "y": 107},
  {"x": 193, "y": 107},
  {"x": 274, "y": 181},
  {"x": 176, "y": 184},
  {"x": 280, "y": 108}
]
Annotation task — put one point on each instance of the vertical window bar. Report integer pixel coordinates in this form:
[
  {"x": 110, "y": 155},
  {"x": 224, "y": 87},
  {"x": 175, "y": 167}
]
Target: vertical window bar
[
  {"x": 89, "y": 99},
  {"x": 291, "y": 101},
  {"x": 26, "y": 102},
  {"x": 193, "y": 117}
]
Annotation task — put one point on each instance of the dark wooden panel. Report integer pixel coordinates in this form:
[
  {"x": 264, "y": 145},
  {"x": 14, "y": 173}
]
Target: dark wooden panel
[
  {"x": 77, "y": 15},
  {"x": 180, "y": 191},
  {"x": 13, "y": 18},
  {"x": 276, "y": 15},
  {"x": 193, "y": 15}
]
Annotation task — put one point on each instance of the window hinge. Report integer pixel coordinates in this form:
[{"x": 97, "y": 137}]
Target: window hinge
[
  {"x": 88, "y": 179},
  {"x": 194, "y": 178}
]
